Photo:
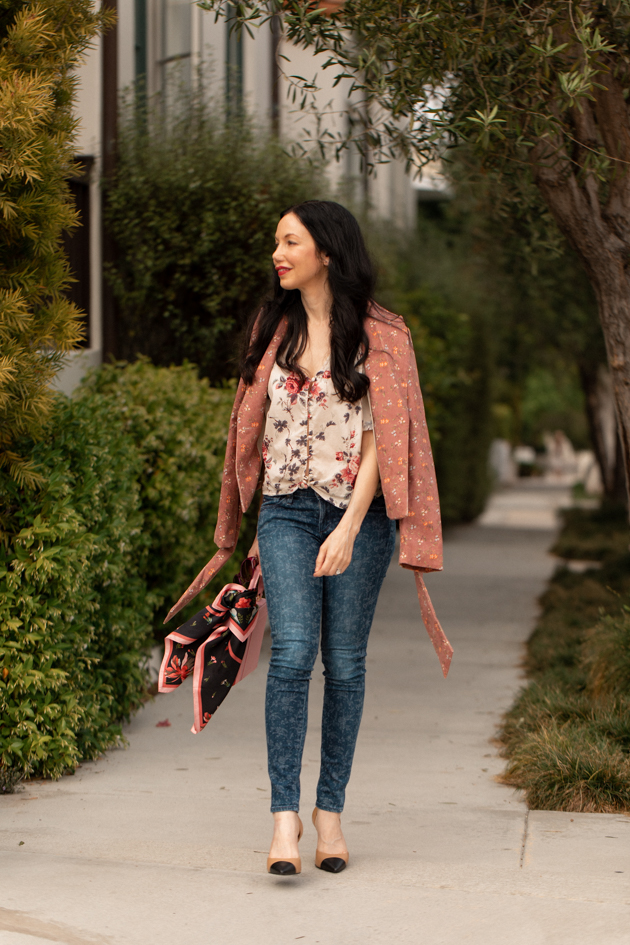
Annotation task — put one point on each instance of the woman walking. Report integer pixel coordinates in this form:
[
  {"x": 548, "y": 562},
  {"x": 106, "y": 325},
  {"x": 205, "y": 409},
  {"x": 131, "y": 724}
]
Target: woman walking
[{"x": 329, "y": 414}]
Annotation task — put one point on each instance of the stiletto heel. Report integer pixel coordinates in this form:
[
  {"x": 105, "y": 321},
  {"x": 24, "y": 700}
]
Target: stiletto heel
[
  {"x": 290, "y": 865},
  {"x": 330, "y": 864}
]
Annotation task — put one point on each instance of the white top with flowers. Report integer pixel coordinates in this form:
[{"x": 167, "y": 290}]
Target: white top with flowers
[{"x": 312, "y": 438}]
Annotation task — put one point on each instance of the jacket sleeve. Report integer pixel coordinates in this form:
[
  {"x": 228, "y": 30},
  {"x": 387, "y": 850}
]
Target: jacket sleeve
[
  {"x": 230, "y": 513},
  {"x": 421, "y": 529},
  {"x": 229, "y": 517}
]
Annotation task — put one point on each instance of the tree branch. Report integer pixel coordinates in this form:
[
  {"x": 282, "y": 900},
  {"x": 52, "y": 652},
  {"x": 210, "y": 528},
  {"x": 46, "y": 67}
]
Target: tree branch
[{"x": 575, "y": 209}]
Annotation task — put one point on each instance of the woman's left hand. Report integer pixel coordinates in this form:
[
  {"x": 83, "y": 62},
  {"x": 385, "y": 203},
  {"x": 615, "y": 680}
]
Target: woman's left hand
[{"x": 336, "y": 552}]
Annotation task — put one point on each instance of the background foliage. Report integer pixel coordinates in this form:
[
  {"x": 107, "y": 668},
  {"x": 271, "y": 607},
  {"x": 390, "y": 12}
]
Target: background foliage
[
  {"x": 550, "y": 347},
  {"x": 193, "y": 209},
  {"x": 455, "y": 361},
  {"x": 40, "y": 44},
  {"x": 545, "y": 350},
  {"x": 507, "y": 339}
]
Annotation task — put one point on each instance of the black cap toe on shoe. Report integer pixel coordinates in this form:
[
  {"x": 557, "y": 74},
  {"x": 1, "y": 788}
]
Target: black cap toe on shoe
[
  {"x": 282, "y": 868},
  {"x": 333, "y": 864}
]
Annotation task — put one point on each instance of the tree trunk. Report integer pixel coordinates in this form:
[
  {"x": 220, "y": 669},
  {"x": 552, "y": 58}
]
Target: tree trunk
[
  {"x": 601, "y": 239},
  {"x": 614, "y": 310},
  {"x": 606, "y": 272},
  {"x": 602, "y": 421},
  {"x": 621, "y": 488}
]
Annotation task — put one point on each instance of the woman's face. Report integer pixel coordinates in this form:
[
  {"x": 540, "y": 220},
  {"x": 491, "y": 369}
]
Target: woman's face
[{"x": 296, "y": 259}]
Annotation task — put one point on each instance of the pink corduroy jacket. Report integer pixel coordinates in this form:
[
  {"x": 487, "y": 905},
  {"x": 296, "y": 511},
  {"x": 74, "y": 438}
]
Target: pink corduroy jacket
[{"x": 403, "y": 451}]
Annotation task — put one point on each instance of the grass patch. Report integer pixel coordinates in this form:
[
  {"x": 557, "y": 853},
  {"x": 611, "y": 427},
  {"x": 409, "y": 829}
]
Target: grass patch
[
  {"x": 567, "y": 736},
  {"x": 571, "y": 767},
  {"x": 606, "y": 655},
  {"x": 593, "y": 534},
  {"x": 571, "y": 606},
  {"x": 544, "y": 704}
]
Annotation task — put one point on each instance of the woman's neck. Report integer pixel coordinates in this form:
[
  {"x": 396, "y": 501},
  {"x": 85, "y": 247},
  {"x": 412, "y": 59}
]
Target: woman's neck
[{"x": 317, "y": 301}]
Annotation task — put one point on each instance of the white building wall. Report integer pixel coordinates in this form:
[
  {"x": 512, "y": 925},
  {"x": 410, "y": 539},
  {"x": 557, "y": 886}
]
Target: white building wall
[
  {"x": 126, "y": 43},
  {"x": 257, "y": 73},
  {"x": 154, "y": 44},
  {"x": 298, "y": 124},
  {"x": 393, "y": 195},
  {"x": 213, "y": 45}
]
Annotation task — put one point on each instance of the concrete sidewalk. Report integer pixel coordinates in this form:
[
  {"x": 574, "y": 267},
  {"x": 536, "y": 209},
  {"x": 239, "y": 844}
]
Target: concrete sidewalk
[{"x": 166, "y": 842}]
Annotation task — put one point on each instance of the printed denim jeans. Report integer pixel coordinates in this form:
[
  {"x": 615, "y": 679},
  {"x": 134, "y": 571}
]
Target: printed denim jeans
[{"x": 290, "y": 531}]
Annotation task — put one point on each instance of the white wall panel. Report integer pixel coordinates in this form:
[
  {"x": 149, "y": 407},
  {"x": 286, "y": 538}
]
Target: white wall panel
[
  {"x": 88, "y": 102},
  {"x": 126, "y": 43},
  {"x": 257, "y": 51},
  {"x": 213, "y": 50}
]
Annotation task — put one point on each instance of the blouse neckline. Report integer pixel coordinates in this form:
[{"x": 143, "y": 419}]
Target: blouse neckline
[{"x": 323, "y": 368}]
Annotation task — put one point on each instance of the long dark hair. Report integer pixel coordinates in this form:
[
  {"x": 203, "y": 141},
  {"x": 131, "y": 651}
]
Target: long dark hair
[{"x": 351, "y": 277}]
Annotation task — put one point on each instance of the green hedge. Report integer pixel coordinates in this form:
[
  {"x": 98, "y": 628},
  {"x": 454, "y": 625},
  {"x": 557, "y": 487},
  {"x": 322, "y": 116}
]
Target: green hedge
[
  {"x": 455, "y": 361},
  {"x": 179, "y": 425},
  {"x": 74, "y": 612},
  {"x": 454, "y": 364},
  {"x": 94, "y": 558}
]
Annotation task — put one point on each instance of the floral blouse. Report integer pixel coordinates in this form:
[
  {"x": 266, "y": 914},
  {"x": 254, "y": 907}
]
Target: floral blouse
[{"x": 312, "y": 438}]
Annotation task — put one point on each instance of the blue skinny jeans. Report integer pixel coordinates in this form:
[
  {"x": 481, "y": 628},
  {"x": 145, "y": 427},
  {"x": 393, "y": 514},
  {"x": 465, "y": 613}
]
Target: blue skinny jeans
[{"x": 341, "y": 608}]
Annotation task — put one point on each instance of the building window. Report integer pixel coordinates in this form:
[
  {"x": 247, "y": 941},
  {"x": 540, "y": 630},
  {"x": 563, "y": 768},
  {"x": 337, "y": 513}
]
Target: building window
[
  {"x": 77, "y": 243},
  {"x": 233, "y": 65},
  {"x": 176, "y": 51}
]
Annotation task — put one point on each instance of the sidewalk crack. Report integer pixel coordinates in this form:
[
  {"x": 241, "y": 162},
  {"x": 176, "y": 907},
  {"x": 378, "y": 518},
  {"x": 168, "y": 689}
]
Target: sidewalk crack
[{"x": 524, "y": 843}]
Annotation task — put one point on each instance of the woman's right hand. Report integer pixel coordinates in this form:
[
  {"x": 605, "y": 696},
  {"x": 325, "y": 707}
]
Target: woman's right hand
[{"x": 254, "y": 551}]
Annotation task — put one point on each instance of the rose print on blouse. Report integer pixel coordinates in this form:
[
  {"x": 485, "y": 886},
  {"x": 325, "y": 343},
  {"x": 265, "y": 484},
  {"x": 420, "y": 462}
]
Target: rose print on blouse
[
  {"x": 292, "y": 386},
  {"x": 350, "y": 469},
  {"x": 290, "y": 391}
]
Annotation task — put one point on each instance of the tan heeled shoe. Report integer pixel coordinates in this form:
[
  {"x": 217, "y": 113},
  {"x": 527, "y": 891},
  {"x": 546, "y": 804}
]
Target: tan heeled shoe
[
  {"x": 331, "y": 864},
  {"x": 289, "y": 865}
]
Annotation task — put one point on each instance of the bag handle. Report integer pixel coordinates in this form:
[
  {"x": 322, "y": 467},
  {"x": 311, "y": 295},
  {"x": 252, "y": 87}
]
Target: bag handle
[{"x": 257, "y": 581}]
